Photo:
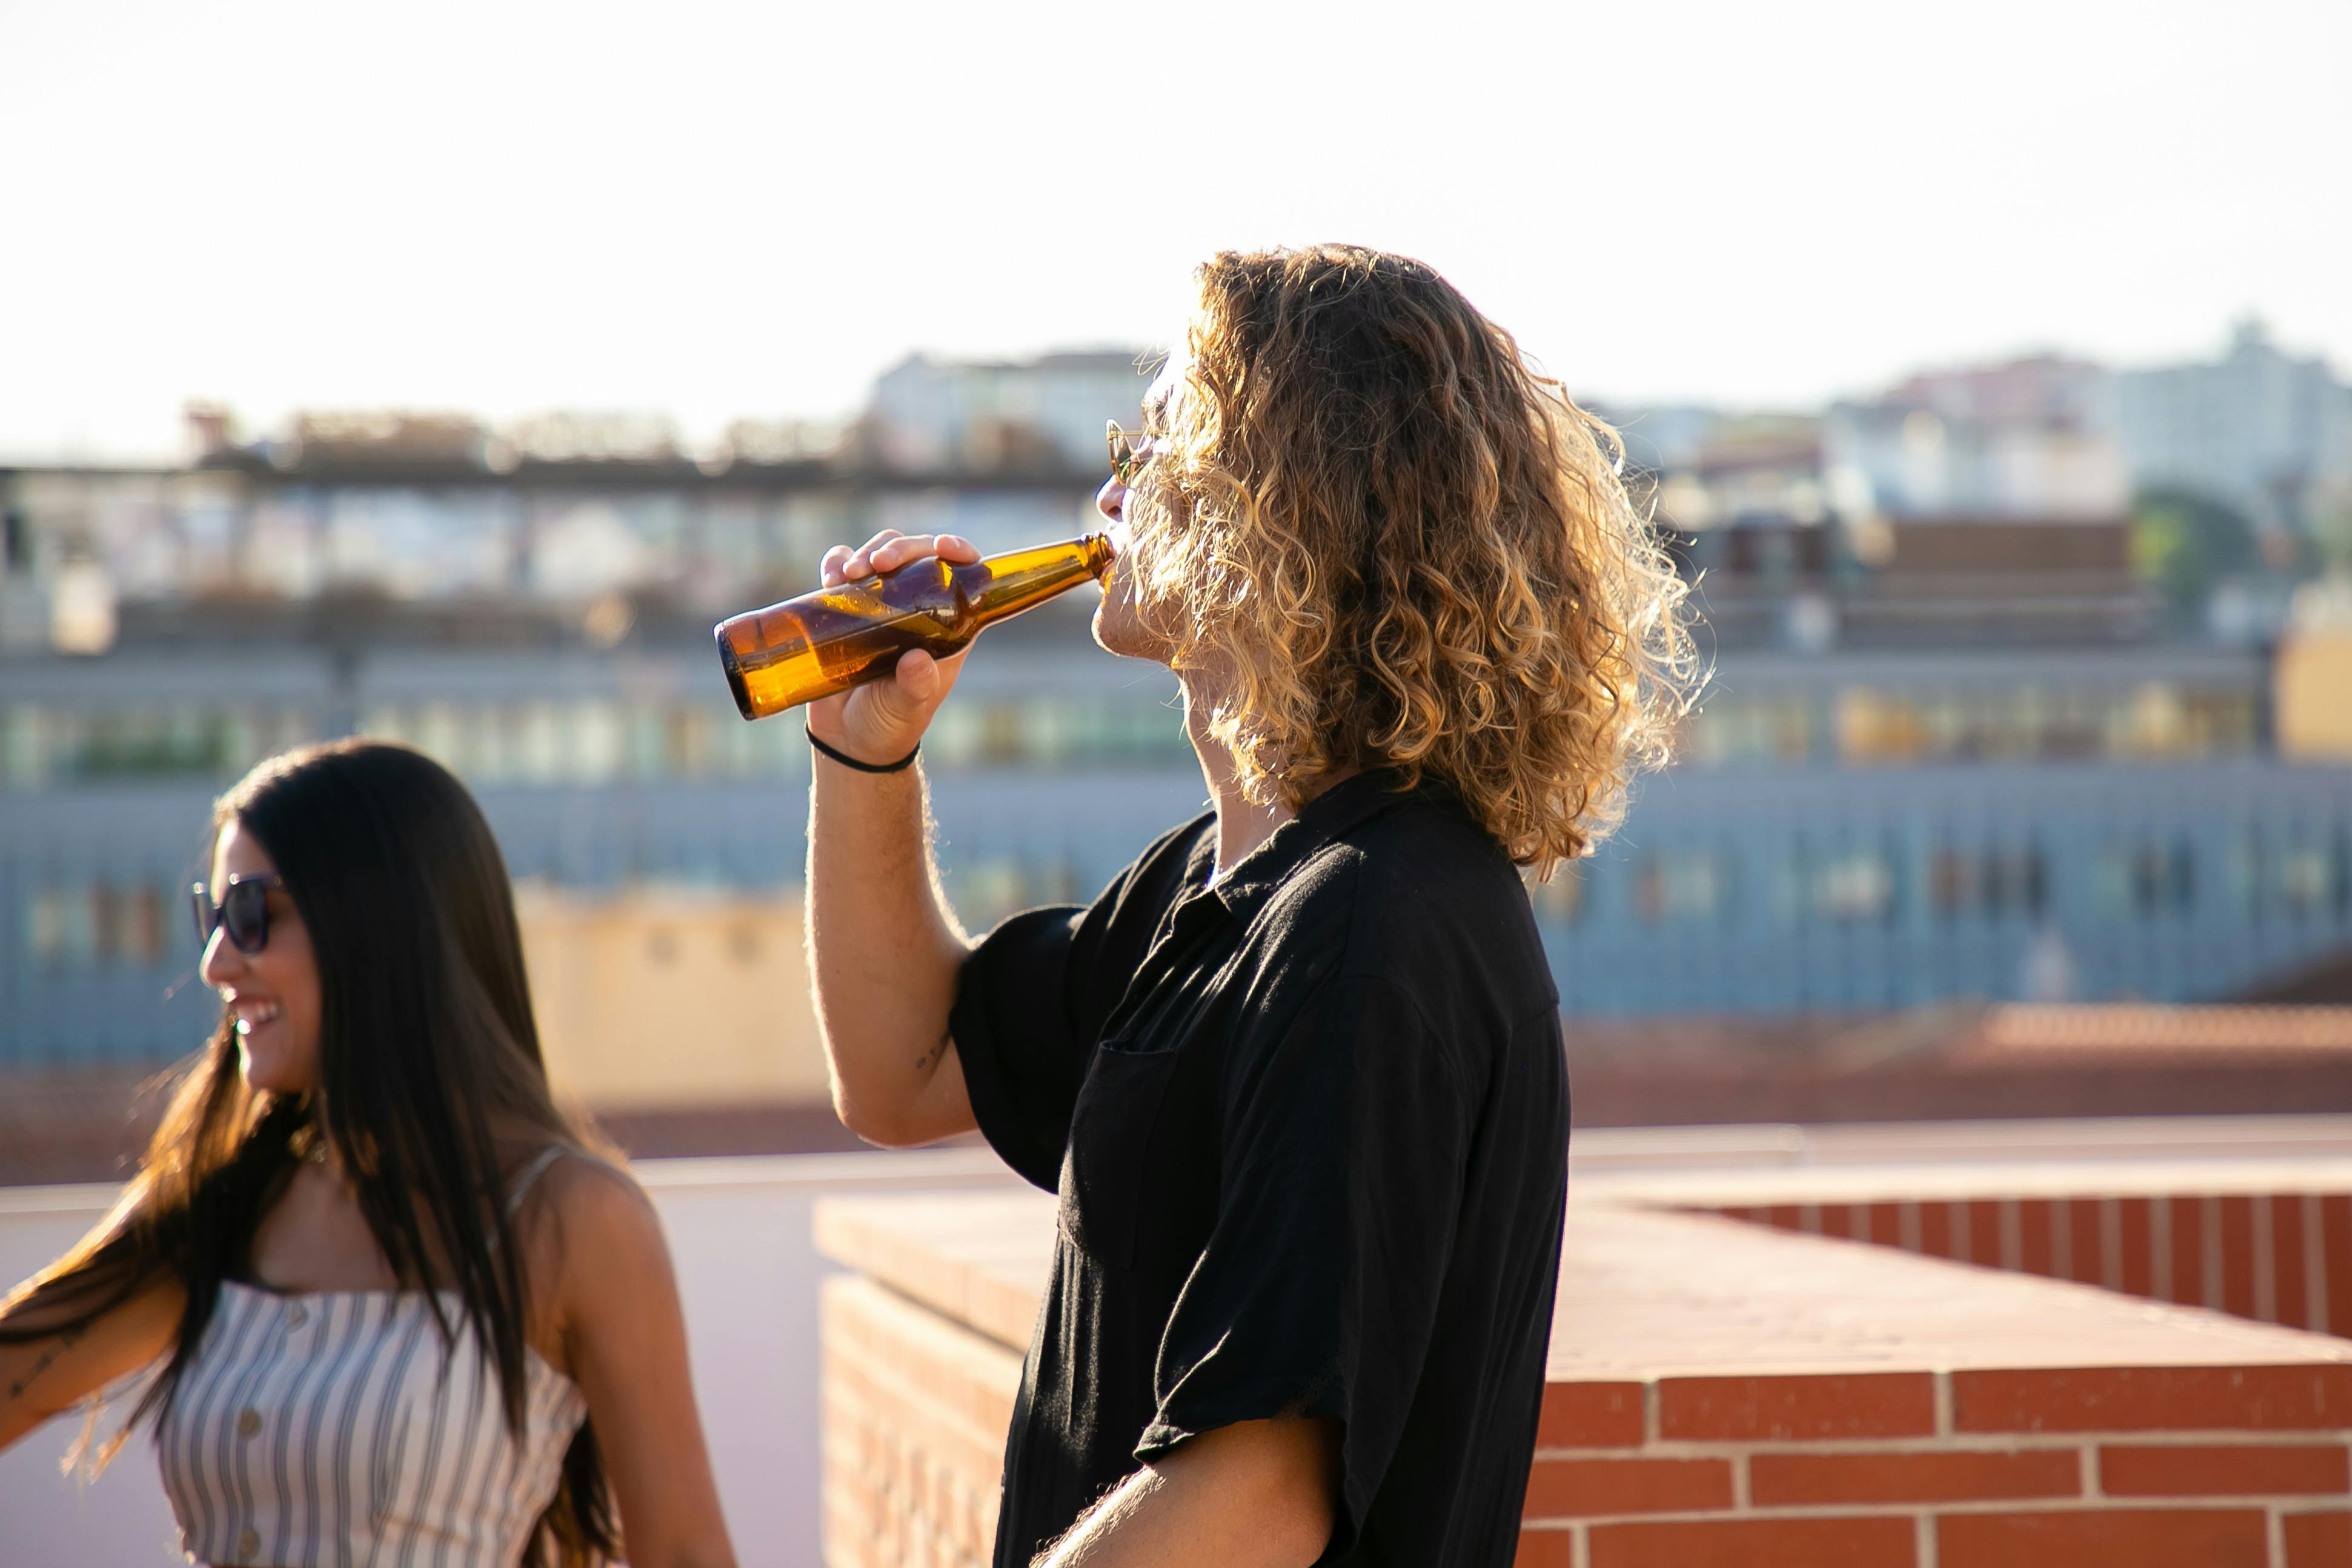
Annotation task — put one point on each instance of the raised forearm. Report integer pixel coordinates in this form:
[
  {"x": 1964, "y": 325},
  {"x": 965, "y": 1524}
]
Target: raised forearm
[{"x": 884, "y": 949}]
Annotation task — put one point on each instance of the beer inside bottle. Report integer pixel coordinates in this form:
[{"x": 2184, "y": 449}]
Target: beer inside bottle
[{"x": 833, "y": 639}]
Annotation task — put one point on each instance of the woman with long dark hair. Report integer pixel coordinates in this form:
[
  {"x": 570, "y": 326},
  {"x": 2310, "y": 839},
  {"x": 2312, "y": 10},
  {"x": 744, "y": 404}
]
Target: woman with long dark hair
[{"x": 402, "y": 1308}]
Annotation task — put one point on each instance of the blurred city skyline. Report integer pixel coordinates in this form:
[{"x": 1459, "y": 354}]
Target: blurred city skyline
[{"x": 752, "y": 213}]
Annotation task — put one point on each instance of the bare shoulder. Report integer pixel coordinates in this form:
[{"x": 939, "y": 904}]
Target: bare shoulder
[
  {"x": 599, "y": 1207},
  {"x": 586, "y": 1209}
]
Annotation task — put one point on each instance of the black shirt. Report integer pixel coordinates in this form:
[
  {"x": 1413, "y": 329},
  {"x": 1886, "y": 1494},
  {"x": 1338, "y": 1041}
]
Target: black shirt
[{"x": 1310, "y": 1128}]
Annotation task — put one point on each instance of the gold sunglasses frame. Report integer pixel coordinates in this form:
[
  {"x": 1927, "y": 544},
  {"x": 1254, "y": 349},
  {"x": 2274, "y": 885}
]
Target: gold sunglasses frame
[{"x": 1125, "y": 464}]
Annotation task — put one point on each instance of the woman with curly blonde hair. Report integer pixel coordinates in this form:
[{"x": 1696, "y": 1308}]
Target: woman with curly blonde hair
[{"x": 1296, "y": 1075}]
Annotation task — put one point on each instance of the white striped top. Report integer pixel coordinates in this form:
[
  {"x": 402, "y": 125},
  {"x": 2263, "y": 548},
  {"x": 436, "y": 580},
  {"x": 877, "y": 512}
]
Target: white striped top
[{"x": 333, "y": 1428}]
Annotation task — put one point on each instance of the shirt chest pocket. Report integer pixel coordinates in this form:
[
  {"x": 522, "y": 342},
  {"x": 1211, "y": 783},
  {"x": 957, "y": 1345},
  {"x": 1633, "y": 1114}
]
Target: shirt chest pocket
[{"x": 1110, "y": 1141}]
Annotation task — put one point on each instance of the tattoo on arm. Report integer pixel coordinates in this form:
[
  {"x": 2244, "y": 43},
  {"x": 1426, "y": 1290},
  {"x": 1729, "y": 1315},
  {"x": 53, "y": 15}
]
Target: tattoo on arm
[
  {"x": 935, "y": 1055},
  {"x": 64, "y": 1343}
]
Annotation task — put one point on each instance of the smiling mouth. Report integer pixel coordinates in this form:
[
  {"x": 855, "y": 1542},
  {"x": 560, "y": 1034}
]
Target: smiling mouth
[{"x": 251, "y": 1015}]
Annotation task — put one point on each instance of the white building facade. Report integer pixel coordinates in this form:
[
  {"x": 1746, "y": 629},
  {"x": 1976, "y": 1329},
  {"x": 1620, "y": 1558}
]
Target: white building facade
[{"x": 2259, "y": 429}]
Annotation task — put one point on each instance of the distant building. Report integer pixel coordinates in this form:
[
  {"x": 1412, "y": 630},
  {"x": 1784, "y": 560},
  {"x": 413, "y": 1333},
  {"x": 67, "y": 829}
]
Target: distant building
[
  {"x": 1936, "y": 744},
  {"x": 2257, "y": 429},
  {"x": 986, "y": 417},
  {"x": 2015, "y": 440},
  {"x": 558, "y": 511},
  {"x": 1744, "y": 469},
  {"x": 1811, "y": 533}
]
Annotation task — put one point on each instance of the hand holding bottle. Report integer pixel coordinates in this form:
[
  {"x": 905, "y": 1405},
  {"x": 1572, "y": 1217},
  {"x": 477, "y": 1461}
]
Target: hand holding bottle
[
  {"x": 896, "y": 612},
  {"x": 884, "y": 720}
]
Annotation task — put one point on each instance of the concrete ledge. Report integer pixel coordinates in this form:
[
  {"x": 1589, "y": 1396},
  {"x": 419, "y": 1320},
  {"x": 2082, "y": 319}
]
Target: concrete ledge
[{"x": 980, "y": 1261}]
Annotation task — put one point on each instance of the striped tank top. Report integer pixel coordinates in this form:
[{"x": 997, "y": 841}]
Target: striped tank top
[{"x": 335, "y": 1427}]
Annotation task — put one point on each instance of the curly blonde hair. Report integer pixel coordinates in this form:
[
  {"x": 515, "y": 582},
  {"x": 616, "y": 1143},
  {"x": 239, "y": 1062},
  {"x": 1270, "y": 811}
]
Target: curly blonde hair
[{"x": 1392, "y": 542}]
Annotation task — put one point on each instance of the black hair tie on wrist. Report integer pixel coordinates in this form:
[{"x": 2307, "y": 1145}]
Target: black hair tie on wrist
[{"x": 847, "y": 761}]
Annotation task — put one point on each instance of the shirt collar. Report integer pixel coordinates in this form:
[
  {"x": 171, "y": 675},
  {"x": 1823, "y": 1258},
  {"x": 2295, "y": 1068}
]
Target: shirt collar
[{"x": 1328, "y": 819}]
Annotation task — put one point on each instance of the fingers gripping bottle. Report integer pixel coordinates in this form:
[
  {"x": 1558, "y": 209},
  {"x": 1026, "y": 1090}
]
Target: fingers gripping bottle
[{"x": 835, "y": 639}]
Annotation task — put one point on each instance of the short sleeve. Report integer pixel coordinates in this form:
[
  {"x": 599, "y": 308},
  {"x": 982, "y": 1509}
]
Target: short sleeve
[
  {"x": 1343, "y": 1170},
  {"x": 1031, "y": 1000}
]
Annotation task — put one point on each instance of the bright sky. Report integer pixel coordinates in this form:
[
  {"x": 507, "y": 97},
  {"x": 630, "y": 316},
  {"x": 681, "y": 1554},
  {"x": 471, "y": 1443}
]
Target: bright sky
[{"x": 712, "y": 209}]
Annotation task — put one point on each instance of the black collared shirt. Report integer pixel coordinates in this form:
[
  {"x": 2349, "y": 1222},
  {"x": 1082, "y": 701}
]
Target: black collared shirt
[{"x": 1310, "y": 1128}]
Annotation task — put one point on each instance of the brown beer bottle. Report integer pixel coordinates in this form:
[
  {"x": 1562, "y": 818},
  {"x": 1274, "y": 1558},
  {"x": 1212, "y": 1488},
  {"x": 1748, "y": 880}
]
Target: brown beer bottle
[{"x": 833, "y": 639}]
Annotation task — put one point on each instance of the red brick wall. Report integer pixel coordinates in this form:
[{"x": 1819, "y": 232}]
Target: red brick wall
[
  {"x": 2275, "y": 1258},
  {"x": 2174, "y": 1441},
  {"x": 2193, "y": 1467},
  {"x": 2149, "y": 1467},
  {"x": 915, "y": 1412}
]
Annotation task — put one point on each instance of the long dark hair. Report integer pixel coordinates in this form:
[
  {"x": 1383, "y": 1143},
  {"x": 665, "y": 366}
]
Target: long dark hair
[{"x": 428, "y": 1052}]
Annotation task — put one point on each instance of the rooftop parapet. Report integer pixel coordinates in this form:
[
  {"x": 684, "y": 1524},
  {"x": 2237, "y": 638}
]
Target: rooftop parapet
[{"x": 1717, "y": 1391}]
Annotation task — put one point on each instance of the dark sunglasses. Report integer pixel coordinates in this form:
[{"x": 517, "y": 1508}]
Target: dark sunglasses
[{"x": 243, "y": 912}]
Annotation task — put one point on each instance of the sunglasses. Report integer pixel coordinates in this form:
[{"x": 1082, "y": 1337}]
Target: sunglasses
[
  {"x": 243, "y": 912},
  {"x": 1126, "y": 462}
]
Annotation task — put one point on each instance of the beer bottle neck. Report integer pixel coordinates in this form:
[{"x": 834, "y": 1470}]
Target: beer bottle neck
[{"x": 1021, "y": 578}]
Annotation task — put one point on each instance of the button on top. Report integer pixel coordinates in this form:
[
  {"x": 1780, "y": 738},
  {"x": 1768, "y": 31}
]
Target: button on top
[
  {"x": 297, "y": 1315},
  {"x": 248, "y": 1422}
]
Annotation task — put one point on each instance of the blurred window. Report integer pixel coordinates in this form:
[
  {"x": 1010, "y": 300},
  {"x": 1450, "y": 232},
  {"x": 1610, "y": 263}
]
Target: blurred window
[
  {"x": 45, "y": 927},
  {"x": 648, "y": 741},
  {"x": 1679, "y": 885},
  {"x": 2155, "y": 720},
  {"x": 1151, "y": 731},
  {"x": 387, "y": 723},
  {"x": 2289, "y": 871},
  {"x": 61, "y": 927},
  {"x": 753, "y": 751},
  {"x": 691, "y": 746},
  {"x": 1991, "y": 883},
  {"x": 1879, "y": 727},
  {"x": 138, "y": 935},
  {"x": 287, "y": 729},
  {"x": 2242, "y": 872},
  {"x": 1952, "y": 882},
  {"x": 22, "y": 765},
  {"x": 439, "y": 731},
  {"x": 1055, "y": 730},
  {"x": 1001, "y": 733},
  {"x": 538, "y": 745},
  {"x": 955, "y": 735},
  {"x": 489, "y": 747},
  {"x": 2164, "y": 879},
  {"x": 598, "y": 742},
  {"x": 142, "y": 743},
  {"x": 104, "y": 922},
  {"x": 1852, "y": 885},
  {"x": 1733, "y": 729},
  {"x": 2073, "y": 726},
  {"x": 2147, "y": 878},
  {"x": 243, "y": 738},
  {"x": 2309, "y": 879}
]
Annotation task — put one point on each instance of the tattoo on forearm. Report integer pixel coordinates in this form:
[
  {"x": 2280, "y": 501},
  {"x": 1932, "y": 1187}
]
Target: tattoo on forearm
[
  {"x": 932, "y": 1057},
  {"x": 64, "y": 1343}
]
